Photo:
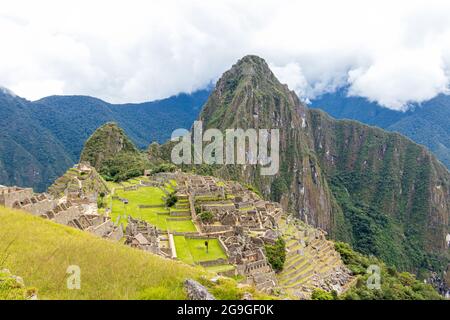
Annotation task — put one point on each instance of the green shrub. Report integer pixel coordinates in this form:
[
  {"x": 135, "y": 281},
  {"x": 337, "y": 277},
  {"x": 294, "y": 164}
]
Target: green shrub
[
  {"x": 319, "y": 294},
  {"x": 164, "y": 167},
  {"x": 276, "y": 254},
  {"x": 171, "y": 200},
  {"x": 206, "y": 216},
  {"x": 393, "y": 285}
]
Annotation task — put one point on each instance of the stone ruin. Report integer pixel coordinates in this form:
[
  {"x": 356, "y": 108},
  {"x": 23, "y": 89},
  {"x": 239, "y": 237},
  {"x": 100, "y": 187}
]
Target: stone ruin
[
  {"x": 63, "y": 211},
  {"x": 311, "y": 261},
  {"x": 247, "y": 254},
  {"x": 244, "y": 224},
  {"x": 141, "y": 235},
  {"x": 233, "y": 219},
  {"x": 241, "y": 221},
  {"x": 15, "y": 195}
]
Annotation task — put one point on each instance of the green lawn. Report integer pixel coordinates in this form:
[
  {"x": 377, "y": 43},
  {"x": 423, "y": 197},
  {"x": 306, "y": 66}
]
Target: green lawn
[
  {"x": 112, "y": 184},
  {"x": 143, "y": 196},
  {"x": 151, "y": 216},
  {"x": 183, "y": 252},
  {"x": 198, "y": 250},
  {"x": 146, "y": 196},
  {"x": 181, "y": 226},
  {"x": 184, "y": 209},
  {"x": 193, "y": 250},
  {"x": 207, "y": 198}
]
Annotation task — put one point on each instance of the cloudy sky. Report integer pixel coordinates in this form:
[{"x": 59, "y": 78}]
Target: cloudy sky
[{"x": 393, "y": 52}]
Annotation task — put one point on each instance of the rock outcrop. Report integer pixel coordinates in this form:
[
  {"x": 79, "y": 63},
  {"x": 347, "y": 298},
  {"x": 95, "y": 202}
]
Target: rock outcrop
[{"x": 195, "y": 291}]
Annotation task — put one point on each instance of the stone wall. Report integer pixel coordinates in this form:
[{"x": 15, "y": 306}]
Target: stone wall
[
  {"x": 104, "y": 229},
  {"x": 9, "y": 195},
  {"x": 206, "y": 228},
  {"x": 116, "y": 234},
  {"x": 211, "y": 263},
  {"x": 65, "y": 216},
  {"x": 39, "y": 208}
]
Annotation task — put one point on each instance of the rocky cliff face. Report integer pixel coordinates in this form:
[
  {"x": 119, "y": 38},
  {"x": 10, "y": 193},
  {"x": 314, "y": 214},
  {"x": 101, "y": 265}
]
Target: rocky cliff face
[
  {"x": 379, "y": 191},
  {"x": 394, "y": 195},
  {"x": 250, "y": 96}
]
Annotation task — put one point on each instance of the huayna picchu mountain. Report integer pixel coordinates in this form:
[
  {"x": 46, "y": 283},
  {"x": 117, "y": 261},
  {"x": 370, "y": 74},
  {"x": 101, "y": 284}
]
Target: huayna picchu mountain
[
  {"x": 113, "y": 154},
  {"x": 378, "y": 191}
]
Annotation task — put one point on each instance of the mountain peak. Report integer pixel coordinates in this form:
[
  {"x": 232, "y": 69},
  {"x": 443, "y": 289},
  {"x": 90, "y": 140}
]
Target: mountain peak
[
  {"x": 258, "y": 63},
  {"x": 106, "y": 142},
  {"x": 250, "y": 66},
  {"x": 112, "y": 153},
  {"x": 249, "y": 95}
]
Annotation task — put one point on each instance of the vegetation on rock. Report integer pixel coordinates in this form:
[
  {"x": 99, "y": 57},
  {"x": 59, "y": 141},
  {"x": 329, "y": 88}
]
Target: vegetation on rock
[
  {"x": 113, "y": 154},
  {"x": 13, "y": 288},
  {"x": 319, "y": 294},
  {"x": 276, "y": 254},
  {"x": 394, "y": 285},
  {"x": 206, "y": 216},
  {"x": 171, "y": 200},
  {"x": 425, "y": 123}
]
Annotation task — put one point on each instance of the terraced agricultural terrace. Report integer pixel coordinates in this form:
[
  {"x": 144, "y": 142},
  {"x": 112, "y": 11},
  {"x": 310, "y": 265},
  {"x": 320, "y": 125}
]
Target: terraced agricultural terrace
[{"x": 311, "y": 261}]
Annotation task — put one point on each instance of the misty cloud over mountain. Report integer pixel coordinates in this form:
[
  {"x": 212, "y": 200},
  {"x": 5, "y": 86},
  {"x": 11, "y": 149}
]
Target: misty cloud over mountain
[{"x": 394, "y": 53}]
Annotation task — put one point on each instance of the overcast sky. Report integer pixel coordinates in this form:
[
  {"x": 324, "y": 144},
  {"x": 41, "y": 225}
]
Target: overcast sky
[{"x": 393, "y": 52}]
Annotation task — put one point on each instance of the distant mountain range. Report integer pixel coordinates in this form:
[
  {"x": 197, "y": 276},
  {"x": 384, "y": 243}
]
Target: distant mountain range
[
  {"x": 40, "y": 140},
  {"x": 427, "y": 123}
]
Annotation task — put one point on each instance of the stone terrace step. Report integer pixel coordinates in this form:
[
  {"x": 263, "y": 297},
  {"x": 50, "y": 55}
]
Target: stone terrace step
[
  {"x": 326, "y": 251},
  {"x": 299, "y": 271},
  {"x": 295, "y": 268},
  {"x": 292, "y": 243},
  {"x": 331, "y": 263},
  {"x": 293, "y": 252},
  {"x": 267, "y": 285},
  {"x": 301, "y": 279},
  {"x": 293, "y": 263}
]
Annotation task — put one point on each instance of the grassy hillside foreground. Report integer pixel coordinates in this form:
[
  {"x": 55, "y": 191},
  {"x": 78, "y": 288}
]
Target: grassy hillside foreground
[{"x": 40, "y": 251}]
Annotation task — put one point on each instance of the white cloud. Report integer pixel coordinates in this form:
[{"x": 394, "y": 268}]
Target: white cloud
[
  {"x": 292, "y": 74},
  {"x": 393, "y": 52},
  {"x": 399, "y": 79}
]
